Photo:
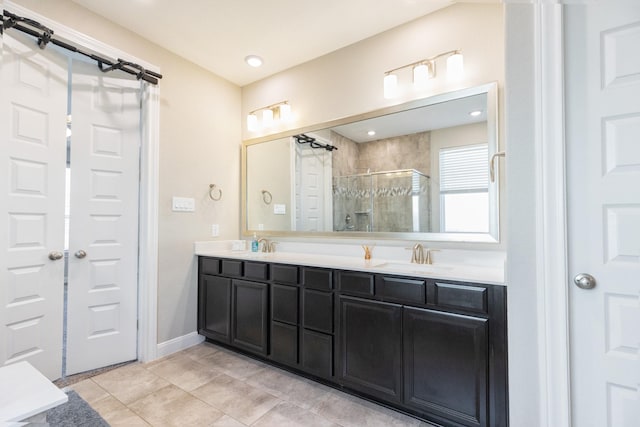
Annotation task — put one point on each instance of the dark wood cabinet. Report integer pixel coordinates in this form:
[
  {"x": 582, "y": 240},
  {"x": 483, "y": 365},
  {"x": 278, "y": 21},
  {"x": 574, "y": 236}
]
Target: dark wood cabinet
[
  {"x": 249, "y": 315},
  {"x": 214, "y": 314},
  {"x": 317, "y": 334},
  {"x": 317, "y": 353},
  {"x": 446, "y": 363},
  {"x": 435, "y": 349},
  {"x": 284, "y": 343},
  {"x": 284, "y": 304},
  {"x": 284, "y": 324},
  {"x": 317, "y": 310},
  {"x": 371, "y": 347}
]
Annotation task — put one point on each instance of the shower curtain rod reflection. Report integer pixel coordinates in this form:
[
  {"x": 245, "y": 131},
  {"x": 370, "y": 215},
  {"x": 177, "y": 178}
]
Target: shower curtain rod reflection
[
  {"x": 305, "y": 139},
  {"x": 45, "y": 36}
]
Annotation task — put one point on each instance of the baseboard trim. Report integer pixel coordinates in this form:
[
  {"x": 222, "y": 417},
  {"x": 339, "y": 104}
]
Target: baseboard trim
[{"x": 179, "y": 343}]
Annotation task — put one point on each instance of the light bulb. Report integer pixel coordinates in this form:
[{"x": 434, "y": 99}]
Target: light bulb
[
  {"x": 252, "y": 122},
  {"x": 267, "y": 118},
  {"x": 455, "y": 66},
  {"x": 390, "y": 86},
  {"x": 285, "y": 112},
  {"x": 420, "y": 75}
]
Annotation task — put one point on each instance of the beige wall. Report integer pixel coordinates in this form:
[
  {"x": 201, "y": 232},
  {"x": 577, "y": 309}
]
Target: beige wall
[
  {"x": 199, "y": 144},
  {"x": 269, "y": 166},
  {"x": 349, "y": 81}
]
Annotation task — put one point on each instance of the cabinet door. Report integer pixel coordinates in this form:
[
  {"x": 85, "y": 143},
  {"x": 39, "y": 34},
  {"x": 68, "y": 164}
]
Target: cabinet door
[
  {"x": 284, "y": 343},
  {"x": 371, "y": 348},
  {"x": 249, "y": 315},
  {"x": 317, "y": 353},
  {"x": 214, "y": 314},
  {"x": 446, "y": 365}
]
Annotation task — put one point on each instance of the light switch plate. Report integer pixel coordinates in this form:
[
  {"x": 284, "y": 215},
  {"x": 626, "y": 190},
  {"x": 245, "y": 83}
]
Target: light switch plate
[
  {"x": 183, "y": 204},
  {"x": 215, "y": 230},
  {"x": 279, "y": 209}
]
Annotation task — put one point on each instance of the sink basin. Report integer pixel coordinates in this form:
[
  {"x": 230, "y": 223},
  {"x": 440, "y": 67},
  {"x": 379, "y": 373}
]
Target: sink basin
[{"x": 422, "y": 268}]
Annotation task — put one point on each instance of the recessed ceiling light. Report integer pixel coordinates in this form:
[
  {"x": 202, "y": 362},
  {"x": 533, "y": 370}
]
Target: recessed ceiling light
[
  {"x": 371, "y": 132},
  {"x": 253, "y": 60},
  {"x": 475, "y": 113}
]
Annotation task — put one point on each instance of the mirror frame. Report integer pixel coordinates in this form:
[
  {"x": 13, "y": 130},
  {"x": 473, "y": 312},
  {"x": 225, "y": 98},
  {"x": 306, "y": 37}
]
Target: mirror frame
[{"x": 493, "y": 236}]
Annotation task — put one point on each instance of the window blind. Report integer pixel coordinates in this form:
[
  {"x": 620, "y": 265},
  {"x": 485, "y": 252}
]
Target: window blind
[{"x": 464, "y": 168}]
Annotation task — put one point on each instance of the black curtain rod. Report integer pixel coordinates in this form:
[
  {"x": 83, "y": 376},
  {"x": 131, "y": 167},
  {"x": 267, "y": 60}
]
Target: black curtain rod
[
  {"x": 305, "y": 139},
  {"x": 45, "y": 36}
]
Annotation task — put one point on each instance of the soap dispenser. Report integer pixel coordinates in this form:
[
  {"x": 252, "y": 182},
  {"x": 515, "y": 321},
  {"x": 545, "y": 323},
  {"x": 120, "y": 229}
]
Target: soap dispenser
[{"x": 254, "y": 243}]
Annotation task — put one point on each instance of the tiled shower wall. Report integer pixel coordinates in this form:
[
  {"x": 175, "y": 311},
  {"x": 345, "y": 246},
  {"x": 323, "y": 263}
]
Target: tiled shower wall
[
  {"x": 404, "y": 152},
  {"x": 380, "y": 203}
]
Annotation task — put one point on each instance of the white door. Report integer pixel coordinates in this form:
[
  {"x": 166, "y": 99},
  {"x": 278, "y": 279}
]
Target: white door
[
  {"x": 603, "y": 189},
  {"x": 33, "y": 107},
  {"x": 103, "y": 238},
  {"x": 313, "y": 189}
]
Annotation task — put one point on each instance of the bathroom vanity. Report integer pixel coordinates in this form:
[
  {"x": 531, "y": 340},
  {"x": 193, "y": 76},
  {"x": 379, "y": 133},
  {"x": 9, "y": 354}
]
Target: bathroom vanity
[{"x": 404, "y": 336}]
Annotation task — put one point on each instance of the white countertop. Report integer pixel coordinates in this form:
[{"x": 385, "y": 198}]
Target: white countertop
[
  {"x": 25, "y": 392},
  {"x": 491, "y": 275}
]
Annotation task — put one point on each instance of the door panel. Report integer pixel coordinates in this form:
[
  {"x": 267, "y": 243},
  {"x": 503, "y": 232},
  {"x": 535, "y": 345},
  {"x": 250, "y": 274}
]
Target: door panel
[
  {"x": 370, "y": 354},
  {"x": 312, "y": 189},
  {"x": 445, "y": 365},
  {"x": 603, "y": 189},
  {"x": 33, "y": 106},
  {"x": 249, "y": 315},
  {"x": 102, "y": 286}
]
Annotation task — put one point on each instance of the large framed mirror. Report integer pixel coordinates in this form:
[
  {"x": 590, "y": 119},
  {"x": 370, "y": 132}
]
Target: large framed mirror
[{"x": 415, "y": 171}]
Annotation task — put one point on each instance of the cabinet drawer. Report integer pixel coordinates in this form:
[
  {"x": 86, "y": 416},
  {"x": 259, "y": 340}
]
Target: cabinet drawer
[
  {"x": 284, "y": 303},
  {"x": 317, "y": 353},
  {"x": 231, "y": 267},
  {"x": 317, "y": 278},
  {"x": 284, "y": 343},
  {"x": 463, "y": 297},
  {"x": 209, "y": 266},
  {"x": 256, "y": 270},
  {"x": 317, "y": 310},
  {"x": 287, "y": 274},
  {"x": 403, "y": 290},
  {"x": 356, "y": 283}
]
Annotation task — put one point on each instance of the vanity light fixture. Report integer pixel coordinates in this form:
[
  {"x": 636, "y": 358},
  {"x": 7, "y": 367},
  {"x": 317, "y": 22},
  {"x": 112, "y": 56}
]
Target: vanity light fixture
[
  {"x": 279, "y": 112},
  {"x": 424, "y": 70}
]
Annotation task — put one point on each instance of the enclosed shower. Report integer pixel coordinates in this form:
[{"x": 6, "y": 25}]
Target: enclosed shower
[{"x": 389, "y": 201}]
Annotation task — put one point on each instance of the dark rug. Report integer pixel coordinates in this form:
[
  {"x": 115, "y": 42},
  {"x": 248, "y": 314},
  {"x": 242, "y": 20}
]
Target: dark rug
[{"x": 76, "y": 412}]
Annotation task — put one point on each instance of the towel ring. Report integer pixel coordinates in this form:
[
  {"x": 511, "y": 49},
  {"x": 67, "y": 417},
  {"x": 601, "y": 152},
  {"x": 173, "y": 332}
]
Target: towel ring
[
  {"x": 266, "y": 197},
  {"x": 216, "y": 197}
]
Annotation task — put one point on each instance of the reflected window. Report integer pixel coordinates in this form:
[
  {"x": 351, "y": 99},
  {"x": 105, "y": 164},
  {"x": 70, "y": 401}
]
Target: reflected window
[{"x": 464, "y": 188}]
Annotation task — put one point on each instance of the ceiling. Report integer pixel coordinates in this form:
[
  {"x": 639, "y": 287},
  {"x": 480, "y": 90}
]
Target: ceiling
[
  {"x": 454, "y": 112},
  {"x": 219, "y": 34}
]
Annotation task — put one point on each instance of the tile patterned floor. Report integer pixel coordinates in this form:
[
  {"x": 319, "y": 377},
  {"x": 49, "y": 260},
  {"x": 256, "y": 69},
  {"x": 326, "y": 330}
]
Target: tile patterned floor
[{"x": 207, "y": 385}]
